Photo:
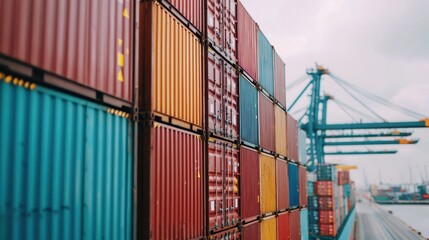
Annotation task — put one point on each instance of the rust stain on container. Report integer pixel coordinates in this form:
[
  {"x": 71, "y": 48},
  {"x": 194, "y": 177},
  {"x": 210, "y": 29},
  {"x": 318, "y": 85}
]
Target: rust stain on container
[
  {"x": 282, "y": 185},
  {"x": 172, "y": 158},
  {"x": 280, "y": 127},
  {"x": 87, "y": 42},
  {"x": 269, "y": 229},
  {"x": 170, "y": 72},
  {"x": 292, "y": 139},
  {"x": 191, "y": 10},
  {"x": 268, "y": 184},
  {"x": 247, "y": 42},
  {"x": 249, "y": 166},
  {"x": 279, "y": 80},
  {"x": 224, "y": 199},
  {"x": 266, "y": 123}
]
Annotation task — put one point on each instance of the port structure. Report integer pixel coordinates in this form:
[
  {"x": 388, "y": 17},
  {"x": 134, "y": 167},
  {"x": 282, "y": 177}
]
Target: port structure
[{"x": 314, "y": 120}]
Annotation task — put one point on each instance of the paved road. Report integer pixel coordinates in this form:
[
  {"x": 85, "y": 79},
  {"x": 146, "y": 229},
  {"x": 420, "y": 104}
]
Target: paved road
[{"x": 376, "y": 223}]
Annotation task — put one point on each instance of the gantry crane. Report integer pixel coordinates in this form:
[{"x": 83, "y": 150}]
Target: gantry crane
[{"x": 316, "y": 125}]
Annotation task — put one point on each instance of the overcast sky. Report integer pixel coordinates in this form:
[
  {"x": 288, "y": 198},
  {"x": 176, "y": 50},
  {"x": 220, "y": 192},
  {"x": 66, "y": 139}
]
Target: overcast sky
[{"x": 381, "y": 46}]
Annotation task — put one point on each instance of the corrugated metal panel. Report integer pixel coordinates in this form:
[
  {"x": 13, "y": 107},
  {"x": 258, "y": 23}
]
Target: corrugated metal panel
[
  {"x": 292, "y": 138},
  {"x": 269, "y": 228},
  {"x": 230, "y": 28},
  {"x": 223, "y": 203},
  {"x": 265, "y": 63},
  {"x": 170, "y": 81},
  {"x": 294, "y": 222},
  {"x": 303, "y": 193},
  {"x": 247, "y": 42},
  {"x": 266, "y": 123},
  {"x": 176, "y": 184},
  {"x": 304, "y": 224},
  {"x": 302, "y": 146},
  {"x": 231, "y": 101},
  {"x": 293, "y": 185},
  {"x": 191, "y": 10},
  {"x": 252, "y": 231},
  {"x": 280, "y": 127},
  {"x": 66, "y": 167},
  {"x": 88, "y": 42},
  {"x": 283, "y": 226},
  {"x": 249, "y": 166},
  {"x": 268, "y": 184},
  {"x": 214, "y": 22},
  {"x": 282, "y": 185},
  {"x": 279, "y": 79},
  {"x": 215, "y": 92},
  {"x": 231, "y": 234},
  {"x": 248, "y": 112}
]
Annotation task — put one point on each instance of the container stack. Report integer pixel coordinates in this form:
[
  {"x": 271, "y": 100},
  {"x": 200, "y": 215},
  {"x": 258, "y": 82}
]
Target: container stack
[{"x": 167, "y": 116}]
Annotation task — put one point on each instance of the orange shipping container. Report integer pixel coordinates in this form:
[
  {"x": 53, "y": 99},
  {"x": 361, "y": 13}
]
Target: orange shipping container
[
  {"x": 268, "y": 184},
  {"x": 280, "y": 127},
  {"x": 170, "y": 71},
  {"x": 269, "y": 229}
]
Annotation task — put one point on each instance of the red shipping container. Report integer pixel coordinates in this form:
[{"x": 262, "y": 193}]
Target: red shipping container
[
  {"x": 295, "y": 225},
  {"x": 223, "y": 202},
  {"x": 292, "y": 138},
  {"x": 325, "y": 188},
  {"x": 230, "y": 28},
  {"x": 249, "y": 166},
  {"x": 327, "y": 216},
  {"x": 279, "y": 80},
  {"x": 87, "y": 42},
  {"x": 230, "y": 234},
  {"x": 327, "y": 230},
  {"x": 303, "y": 192},
  {"x": 282, "y": 185},
  {"x": 251, "y": 231},
  {"x": 170, "y": 189},
  {"x": 223, "y": 97},
  {"x": 191, "y": 10},
  {"x": 343, "y": 177},
  {"x": 283, "y": 226},
  {"x": 247, "y": 42},
  {"x": 266, "y": 123},
  {"x": 326, "y": 203}
]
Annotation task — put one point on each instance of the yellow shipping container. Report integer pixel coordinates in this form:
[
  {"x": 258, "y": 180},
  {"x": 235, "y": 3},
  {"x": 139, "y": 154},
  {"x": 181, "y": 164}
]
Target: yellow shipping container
[
  {"x": 280, "y": 125},
  {"x": 269, "y": 229},
  {"x": 170, "y": 66},
  {"x": 268, "y": 184}
]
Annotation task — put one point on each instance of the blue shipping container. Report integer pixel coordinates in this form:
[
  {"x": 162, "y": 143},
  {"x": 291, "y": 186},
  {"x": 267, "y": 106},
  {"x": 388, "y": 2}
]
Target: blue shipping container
[
  {"x": 265, "y": 63},
  {"x": 248, "y": 112},
  {"x": 66, "y": 167},
  {"x": 293, "y": 185},
  {"x": 310, "y": 188},
  {"x": 326, "y": 172},
  {"x": 304, "y": 224}
]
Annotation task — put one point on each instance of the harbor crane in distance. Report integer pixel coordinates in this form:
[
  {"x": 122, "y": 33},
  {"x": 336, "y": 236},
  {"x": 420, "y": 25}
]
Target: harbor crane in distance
[{"x": 314, "y": 121}]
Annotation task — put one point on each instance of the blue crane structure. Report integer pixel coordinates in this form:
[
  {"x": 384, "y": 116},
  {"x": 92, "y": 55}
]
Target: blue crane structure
[{"x": 317, "y": 128}]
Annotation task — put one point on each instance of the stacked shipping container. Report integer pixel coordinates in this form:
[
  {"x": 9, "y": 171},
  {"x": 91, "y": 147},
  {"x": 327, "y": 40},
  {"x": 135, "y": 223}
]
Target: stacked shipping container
[{"x": 204, "y": 122}]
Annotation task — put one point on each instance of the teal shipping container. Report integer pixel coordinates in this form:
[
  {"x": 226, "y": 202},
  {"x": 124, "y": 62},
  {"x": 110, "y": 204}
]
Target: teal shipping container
[
  {"x": 265, "y": 63},
  {"x": 293, "y": 185},
  {"x": 248, "y": 112},
  {"x": 302, "y": 146},
  {"x": 66, "y": 166},
  {"x": 304, "y": 224}
]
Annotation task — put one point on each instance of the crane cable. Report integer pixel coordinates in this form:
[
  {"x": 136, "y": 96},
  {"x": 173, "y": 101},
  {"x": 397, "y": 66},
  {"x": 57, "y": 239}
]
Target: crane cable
[
  {"x": 336, "y": 100},
  {"x": 359, "y": 101},
  {"x": 345, "y": 110},
  {"x": 296, "y": 82}
]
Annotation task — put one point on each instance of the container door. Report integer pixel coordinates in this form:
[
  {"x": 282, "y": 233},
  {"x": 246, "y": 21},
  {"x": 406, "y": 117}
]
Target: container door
[
  {"x": 215, "y": 110},
  {"x": 231, "y": 185},
  {"x": 231, "y": 101},
  {"x": 216, "y": 169}
]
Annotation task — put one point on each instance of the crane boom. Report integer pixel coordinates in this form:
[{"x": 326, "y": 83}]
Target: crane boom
[
  {"x": 367, "y": 135},
  {"x": 361, "y": 152}
]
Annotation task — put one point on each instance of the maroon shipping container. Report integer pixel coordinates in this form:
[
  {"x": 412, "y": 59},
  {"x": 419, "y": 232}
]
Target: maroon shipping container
[
  {"x": 283, "y": 226},
  {"x": 223, "y": 174},
  {"x": 221, "y": 26},
  {"x": 170, "y": 183},
  {"x": 282, "y": 185},
  {"x": 327, "y": 230},
  {"x": 292, "y": 138},
  {"x": 251, "y": 231},
  {"x": 303, "y": 192},
  {"x": 295, "y": 224},
  {"x": 266, "y": 124},
  {"x": 279, "y": 80},
  {"x": 343, "y": 177},
  {"x": 189, "y": 11},
  {"x": 247, "y": 42},
  {"x": 223, "y": 97},
  {"x": 87, "y": 42},
  {"x": 326, "y": 203},
  {"x": 327, "y": 216},
  {"x": 249, "y": 166},
  {"x": 230, "y": 234},
  {"x": 325, "y": 188}
]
